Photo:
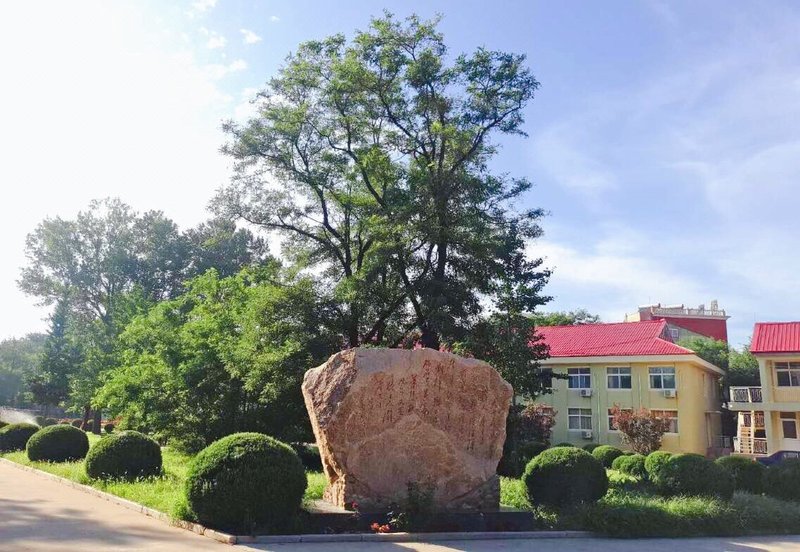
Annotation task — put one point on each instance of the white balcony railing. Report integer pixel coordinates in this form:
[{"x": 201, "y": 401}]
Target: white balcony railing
[
  {"x": 750, "y": 445},
  {"x": 746, "y": 394}
]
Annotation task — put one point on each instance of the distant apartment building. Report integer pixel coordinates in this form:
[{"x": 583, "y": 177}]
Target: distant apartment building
[
  {"x": 631, "y": 365},
  {"x": 768, "y": 425},
  {"x": 685, "y": 322}
]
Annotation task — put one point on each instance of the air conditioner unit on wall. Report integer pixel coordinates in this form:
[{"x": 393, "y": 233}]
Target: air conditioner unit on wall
[
  {"x": 587, "y": 435},
  {"x": 670, "y": 393},
  {"x": 586, "y": 392}
]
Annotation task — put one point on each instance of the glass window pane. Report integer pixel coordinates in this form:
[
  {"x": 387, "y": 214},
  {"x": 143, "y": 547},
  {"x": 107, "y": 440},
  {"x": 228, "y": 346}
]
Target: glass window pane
[
  {"x": 789, "y": 429},
  {"x": 783, "y": 379},
  {"x": 668, "y": 382},
  {"x": 655, "y": 382},
  {"x": 794, "y": 378}
]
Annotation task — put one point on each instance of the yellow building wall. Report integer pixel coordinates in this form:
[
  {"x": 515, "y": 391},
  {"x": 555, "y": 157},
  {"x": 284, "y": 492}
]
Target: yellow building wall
[{"x": 697, "y": 404}]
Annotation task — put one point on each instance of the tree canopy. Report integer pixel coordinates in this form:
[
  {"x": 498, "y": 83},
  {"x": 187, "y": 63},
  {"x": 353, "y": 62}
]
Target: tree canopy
[{"x": 372, "y": 159}]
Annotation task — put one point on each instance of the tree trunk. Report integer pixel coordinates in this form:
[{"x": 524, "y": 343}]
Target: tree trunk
[
  {"x": 85, "y": 422},
  {"x": 98, "y": 421}
]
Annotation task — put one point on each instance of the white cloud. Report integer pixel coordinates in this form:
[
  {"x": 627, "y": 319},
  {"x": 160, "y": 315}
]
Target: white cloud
[
  {"x": 274, "y": 18},
  {"x": 216, "y": 41},
  {"x": 249, "y": 37},
  {"x": 199, "y": 7}
]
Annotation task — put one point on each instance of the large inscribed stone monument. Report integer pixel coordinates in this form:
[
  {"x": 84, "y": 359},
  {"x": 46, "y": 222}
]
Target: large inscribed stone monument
[{"x": 384, "y": 418}]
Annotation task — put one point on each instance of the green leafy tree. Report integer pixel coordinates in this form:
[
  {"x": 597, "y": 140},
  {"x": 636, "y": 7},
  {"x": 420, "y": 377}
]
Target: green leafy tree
[
  {"x": 743, "y": 368},
  {"x": 372, "y": 160},
  {"x": 714, "y": 351},
  {"x": 565, "y": 318},
  {"x": 19, "y": 359},
  {"x": 49, "y": 385},
  {"x": 226, "y": 356}
]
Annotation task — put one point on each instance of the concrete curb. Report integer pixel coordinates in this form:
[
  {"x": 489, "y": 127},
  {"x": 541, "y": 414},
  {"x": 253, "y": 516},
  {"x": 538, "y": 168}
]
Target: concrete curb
[
  {"x": 414, "y": 537},
  {"x": 218, "y": 536},
  {"x": 226, "y": 538}
]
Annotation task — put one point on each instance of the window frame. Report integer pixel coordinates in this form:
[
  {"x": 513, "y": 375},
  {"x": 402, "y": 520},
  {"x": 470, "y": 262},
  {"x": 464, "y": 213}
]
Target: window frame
[
  {"x": 792, "y": 368},
  {"x": 619, "y": 377},
  {"x": 672, "y": 419},
  {"x": 579, "y": 374},
  {"x": 581, "y": 415},
  {"x": 660, "y": 375},
  {"x": 609, "y": 418},
  {"x": 788, "y": 417}
]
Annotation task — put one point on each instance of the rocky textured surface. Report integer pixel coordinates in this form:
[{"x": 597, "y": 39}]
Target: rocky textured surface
[{"x": 384, "y": 418}]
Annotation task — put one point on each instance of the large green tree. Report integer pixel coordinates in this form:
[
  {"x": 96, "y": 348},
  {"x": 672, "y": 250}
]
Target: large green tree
[
  {"x": 226, "y": 356},
  {"x": 565, "y": 318},
  {"x": 372, "y": 159}
]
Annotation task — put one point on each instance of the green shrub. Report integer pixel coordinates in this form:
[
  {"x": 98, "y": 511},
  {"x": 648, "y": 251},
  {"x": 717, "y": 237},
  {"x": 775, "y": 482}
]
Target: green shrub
[
  {"x": 77, "y": 422},
  {"x": 15, "y": 436},
  {"x": 590, "y": 447},
  {"x": 57, "y": 443},
  {"x": 109, "y": 428},
  {"x": 246, "y": 481},
  {"x": 39, "y": 420},
  {"x": 564, "y": 444},
  {"x": 516, "y": 456},
  {"x": 49, "y": 422},
  {"x": 189, "y": 443},
  {"x": 654, "y": 462},
  {"x": 782, "y": 480},
  {"x": 88, "y": 427},
  {"x": 2, "y": 424},
  {"x": 748, "y": 475},
  {"x": 632, "y": 464},
  {"x": 606, "y": 454},
  {"x": 127, "y": 454},
  {"x": 562, "y": 476},
  {"x": 693, "y": 474}
]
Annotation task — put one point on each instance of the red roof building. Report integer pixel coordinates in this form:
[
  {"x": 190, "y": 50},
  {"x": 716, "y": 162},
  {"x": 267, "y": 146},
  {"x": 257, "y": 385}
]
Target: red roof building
[
  {"x": 685, "y": 322},
  {"x": 621, "y": 339},
  {"x": 776, "y": 337}
]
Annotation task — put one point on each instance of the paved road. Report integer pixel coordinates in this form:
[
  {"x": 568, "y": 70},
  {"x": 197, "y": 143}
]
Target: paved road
[
  {"x": 39, "y": 514},
  {"x": 759, "y": 544}
]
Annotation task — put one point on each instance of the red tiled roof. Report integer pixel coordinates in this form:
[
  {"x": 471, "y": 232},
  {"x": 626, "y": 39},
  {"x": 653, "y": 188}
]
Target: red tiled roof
[
  {"x": 622, "y": 339},
  {"x": 776, "y": 337}
]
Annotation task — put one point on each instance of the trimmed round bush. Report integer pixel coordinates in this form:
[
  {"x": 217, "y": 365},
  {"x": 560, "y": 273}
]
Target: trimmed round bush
[
  {"x": 77, "y": 423},
  {"x": 693, "y": 474},
  {"x": 246, "y": 481},
  {"x": 590, "y": 447},
  {"x": 748, "y": 475},
  {"x": 562, "y": 476},
  {"x": 49, "y": 422},
  {"x": 564, "y": 444},
  {"x": 57, "y": 443},
  {"x": 632, "y": 464},
  {"x": 2, "y": 424},
  {"x": 606, "y": 454},
  {"x": 14, "y": 437},
  {"x": 782, "y": 480},
  {"x": 109, "y": 428},
  {"x": 125, "y": 455},
  {"x": 654, "y": 462}
]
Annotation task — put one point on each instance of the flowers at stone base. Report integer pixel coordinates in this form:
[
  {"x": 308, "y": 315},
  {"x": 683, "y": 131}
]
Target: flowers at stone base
[{"x": 378, "y": 528}]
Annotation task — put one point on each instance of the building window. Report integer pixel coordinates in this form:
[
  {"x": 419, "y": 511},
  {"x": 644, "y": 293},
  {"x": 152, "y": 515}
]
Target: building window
[
  {"x": 580, "y": 378},
  {"x": 671, "y": 415},
  {"x": 674, "y": 334},
  {"x": 619, "y": 378},
  {"x": 789, "y": 425},
  {"x": 662, "y": 377},
  {"x": 611, "y": 425},
  {"x": 580, "y": 418},
  {"x": 788, "y": 374}
]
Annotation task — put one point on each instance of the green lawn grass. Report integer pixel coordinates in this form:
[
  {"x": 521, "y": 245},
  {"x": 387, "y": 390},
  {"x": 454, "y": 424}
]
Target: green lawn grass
[{"x": 164, "y": 493}]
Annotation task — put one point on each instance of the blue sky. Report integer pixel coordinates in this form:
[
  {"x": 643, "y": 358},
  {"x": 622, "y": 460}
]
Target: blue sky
[{"x": 664, "y": 142}]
